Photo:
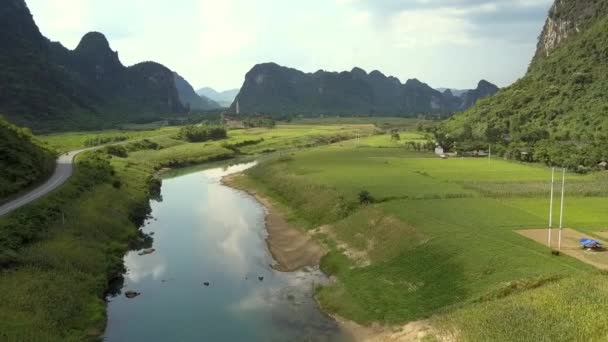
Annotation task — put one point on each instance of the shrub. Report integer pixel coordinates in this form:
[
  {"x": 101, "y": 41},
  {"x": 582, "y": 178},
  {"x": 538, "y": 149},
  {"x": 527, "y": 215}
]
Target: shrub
[
  {"x": 365, "y": 197},
  {"x": 202, "y": 133},
  {"x": 117, "y": 151}
]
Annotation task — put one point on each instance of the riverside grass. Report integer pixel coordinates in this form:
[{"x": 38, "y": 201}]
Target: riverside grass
[
  {"x": 434, "y": 244},
  {"x": 53, "y": 276}
]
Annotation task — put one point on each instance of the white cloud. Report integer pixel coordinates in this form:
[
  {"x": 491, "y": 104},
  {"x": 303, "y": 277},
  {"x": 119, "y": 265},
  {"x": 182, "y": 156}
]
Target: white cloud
[{"x": 215, "y": 42}]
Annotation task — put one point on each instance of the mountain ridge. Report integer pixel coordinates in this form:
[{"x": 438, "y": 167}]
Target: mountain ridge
[
  {"x": 224, "y": 98},
  {"x": 47, "y": 87},
  {"x": 277, "y": 90}
]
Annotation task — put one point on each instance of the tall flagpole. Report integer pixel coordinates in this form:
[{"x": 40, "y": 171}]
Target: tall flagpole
[
  {"x": 551, "y": 205},
  {"x": 561, "y": 213}
]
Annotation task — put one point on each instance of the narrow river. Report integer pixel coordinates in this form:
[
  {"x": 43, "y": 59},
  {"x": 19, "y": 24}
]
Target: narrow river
[{"x": 210, "y": 277}]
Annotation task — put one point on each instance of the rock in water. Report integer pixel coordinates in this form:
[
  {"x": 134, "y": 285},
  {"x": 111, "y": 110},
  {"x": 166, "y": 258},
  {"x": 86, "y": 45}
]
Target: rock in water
[
  {"x": 131, "y": 294},
  {"x": 147, "y": 251}
]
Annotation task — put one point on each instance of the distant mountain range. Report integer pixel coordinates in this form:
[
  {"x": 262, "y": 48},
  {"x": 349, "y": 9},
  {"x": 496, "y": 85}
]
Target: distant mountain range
[
  {"x": 48, "y": 87},
  {"x": 276, "y": 90},
  {"x": 224, "y": 98},
  {"x": 190, "y": 98},
  {"x": 455, "y": 92}
]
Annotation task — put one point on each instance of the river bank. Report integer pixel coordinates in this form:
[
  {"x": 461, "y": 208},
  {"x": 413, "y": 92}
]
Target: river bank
[
  {"x": 211, "y": 270},
  {"x": 294, "y": 249}
]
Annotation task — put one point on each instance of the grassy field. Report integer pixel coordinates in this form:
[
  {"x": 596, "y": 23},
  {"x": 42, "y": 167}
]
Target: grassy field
[
  {"x": 381, "y": 122},
  {"x": 438, "y": 239}
]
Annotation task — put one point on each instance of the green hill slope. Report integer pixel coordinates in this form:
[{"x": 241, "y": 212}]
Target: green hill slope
[
  {"x": 23, "y": 162},
  {"x": 558, "y": 112}
]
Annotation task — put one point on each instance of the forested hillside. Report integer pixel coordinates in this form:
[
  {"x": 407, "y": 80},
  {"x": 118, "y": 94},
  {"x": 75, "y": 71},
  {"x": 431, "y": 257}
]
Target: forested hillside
[
  {"x": 558, "y": 112},
  {"x": 23, "y": 160}
]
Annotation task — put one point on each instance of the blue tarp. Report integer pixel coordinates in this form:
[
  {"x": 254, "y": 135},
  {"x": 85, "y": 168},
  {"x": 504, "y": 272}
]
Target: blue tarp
[{"x": 590, "y": 243}]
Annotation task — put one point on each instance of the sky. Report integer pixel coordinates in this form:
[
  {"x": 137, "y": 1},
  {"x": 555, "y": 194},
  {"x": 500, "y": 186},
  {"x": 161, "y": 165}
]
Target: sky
[{"x": 445, "y": 43}]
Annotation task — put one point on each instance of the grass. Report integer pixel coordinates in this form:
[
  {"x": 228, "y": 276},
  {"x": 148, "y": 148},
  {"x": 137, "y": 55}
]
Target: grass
[
  {"x": 568, "y": 310},
  {"x": 439, "y": 238},
  {"x": 381, "y": 122},
  {"x": 64, "y": 142}
]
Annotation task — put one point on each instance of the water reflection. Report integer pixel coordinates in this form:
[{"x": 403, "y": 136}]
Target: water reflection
[{"x": 206, "y": 233}]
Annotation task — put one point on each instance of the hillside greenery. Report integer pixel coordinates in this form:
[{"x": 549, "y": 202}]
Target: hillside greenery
[
  {"x": 556, "y": 114},
  {"x": 25, "y": 160}
]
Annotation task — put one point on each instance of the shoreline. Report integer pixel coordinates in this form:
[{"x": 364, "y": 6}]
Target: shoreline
[
  {"x": 291, "y": 248},
  {"x": 294, "y": 249}
]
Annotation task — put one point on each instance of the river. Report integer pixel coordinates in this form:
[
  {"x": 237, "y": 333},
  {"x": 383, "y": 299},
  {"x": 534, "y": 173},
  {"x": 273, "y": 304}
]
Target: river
[{"x": 210, "y": 278}]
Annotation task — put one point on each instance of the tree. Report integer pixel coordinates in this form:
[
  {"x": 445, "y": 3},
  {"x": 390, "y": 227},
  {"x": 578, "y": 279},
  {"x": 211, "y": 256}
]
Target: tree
[{"x": 365, "y": 197}]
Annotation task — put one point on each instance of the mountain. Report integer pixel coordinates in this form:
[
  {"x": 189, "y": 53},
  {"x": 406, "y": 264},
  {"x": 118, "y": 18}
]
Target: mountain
[
  {"x": 47, "y": 87},
  {"x": 189, "y": 98},
  {"x": 25, "y": 161},
  {"x": 557, "y": 112},
  {"x": 224, "y": 98},
  {"x": 273, "y": 89},
  {"x": 470, "y": 97},
  {"x": 455, "y": 92}
]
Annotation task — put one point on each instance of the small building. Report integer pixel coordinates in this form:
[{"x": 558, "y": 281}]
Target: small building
[{"x": 439, "y": 150}]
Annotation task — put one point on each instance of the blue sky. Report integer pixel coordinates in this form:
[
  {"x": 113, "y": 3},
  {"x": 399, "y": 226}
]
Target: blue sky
[{"x": 446, "y": 43}]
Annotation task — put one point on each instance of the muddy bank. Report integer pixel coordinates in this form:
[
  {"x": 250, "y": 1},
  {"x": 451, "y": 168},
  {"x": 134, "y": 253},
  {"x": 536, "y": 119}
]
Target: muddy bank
[{"x": 292, "y": 248}]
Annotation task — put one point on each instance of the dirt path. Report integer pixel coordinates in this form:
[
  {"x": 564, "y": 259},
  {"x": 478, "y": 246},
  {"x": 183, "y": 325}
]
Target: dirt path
[
  {"x": 570, "y": 245},
  {"x": 292, "y": 248}
]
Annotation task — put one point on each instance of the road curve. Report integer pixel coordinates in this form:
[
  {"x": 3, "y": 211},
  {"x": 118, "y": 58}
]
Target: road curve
[{"x": 63, "y": 171}]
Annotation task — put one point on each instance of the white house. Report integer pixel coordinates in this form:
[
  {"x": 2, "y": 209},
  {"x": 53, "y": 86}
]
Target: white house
[{"x": 439, "y": 150}]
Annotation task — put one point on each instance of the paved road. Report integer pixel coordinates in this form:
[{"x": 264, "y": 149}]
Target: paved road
[{"x": 63, "y": 171}]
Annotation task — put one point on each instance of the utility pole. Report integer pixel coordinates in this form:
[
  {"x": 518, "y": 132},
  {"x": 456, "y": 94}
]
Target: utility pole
[
  {"x": 561, "y": 213},
  {"x": 489, "y": 153},
  {"x": 551, "y": 205}
]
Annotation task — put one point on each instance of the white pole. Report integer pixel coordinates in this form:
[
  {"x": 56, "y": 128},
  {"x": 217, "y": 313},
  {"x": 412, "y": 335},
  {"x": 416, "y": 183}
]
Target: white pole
[
  {"x": 489, "y": 152},
  {"x": 561, "y": 213},
  {"x": 551, "y": 205}
]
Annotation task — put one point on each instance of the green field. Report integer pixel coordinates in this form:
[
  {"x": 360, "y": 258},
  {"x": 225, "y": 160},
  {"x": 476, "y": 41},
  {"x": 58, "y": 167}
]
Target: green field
[{"x": 439, "y": 235}]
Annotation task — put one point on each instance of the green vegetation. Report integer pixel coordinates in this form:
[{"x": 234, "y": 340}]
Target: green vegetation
[
  {"x": 556, "y": 113},
  {"x": 202, "y": 133},
  {"x": 55, "y": 272},
  {"x": 259, "y": 121},
  {"x": 569, "y": 310},
  {"x": 413, "y": 236},
  {"x": 25, "y": 161},
  {"x": 64, "y": 142}
]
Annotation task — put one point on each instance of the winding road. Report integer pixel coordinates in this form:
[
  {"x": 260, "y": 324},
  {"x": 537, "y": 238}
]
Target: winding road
[{"x": 63, "y": 171}]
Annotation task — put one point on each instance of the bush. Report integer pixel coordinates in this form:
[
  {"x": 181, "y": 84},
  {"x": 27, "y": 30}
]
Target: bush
[
  {"x": 202, "y": 133},
  {"x": 365, "y": 197},
  {"x": 117, "y": 151}
]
